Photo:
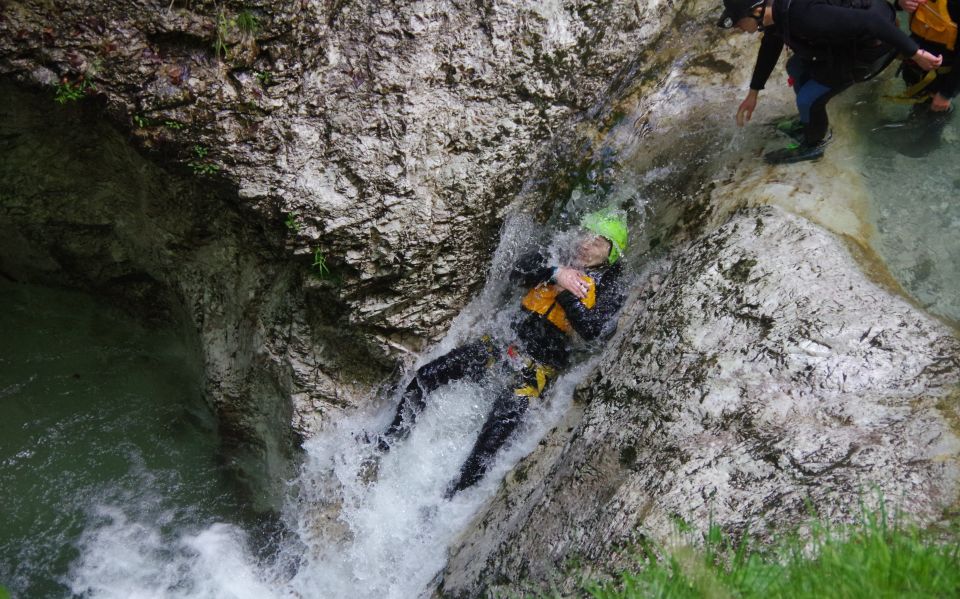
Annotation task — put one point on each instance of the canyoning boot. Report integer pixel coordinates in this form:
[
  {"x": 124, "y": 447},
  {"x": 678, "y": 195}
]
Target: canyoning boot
[
  {"x": 797, "y": 152},
  {"x": 791, "y": 127}
]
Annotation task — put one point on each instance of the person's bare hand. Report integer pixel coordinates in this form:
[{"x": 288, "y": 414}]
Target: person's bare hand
[
  {"x": 926, "y": 61},
  {"x": 745, "y": 111},
  {"x": 573, "y": 281},
  {"x": 939, "y": 103},
  {"x": 911, "y": 5}
]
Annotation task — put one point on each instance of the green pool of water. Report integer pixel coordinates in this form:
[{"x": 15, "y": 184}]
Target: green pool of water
[
  {"x": 911, "y": 165},
  {"x": 99, "y": 412}
]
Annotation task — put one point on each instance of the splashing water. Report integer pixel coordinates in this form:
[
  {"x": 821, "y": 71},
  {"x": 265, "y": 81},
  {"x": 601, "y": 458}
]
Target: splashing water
[
  {"x": 364, "y": 524},
  {"x": 357, "y": 523}
]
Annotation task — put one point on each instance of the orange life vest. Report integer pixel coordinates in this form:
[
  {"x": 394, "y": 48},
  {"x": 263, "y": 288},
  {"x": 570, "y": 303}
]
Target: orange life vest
[
  {"x": 542, "y": 299},
  {"x": 932, "y": 21}
]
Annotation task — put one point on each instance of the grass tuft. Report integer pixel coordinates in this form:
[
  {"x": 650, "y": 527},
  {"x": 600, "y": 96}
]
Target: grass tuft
[{"x": 872, "y": 560}]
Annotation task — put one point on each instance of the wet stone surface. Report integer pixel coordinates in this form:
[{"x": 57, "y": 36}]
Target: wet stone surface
[{"x": 766, "y": 377}]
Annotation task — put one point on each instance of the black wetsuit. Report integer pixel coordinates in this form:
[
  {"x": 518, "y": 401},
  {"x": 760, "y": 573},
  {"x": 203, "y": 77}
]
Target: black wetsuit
[
  {"x": 946, "y": 84},
  {"x": 836, "y": 43},
  {"x": 538, "y": 344}
]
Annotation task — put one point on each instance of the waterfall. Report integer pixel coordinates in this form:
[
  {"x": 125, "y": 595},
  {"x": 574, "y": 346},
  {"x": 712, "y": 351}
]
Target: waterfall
[{"x": 362, "y": 523}]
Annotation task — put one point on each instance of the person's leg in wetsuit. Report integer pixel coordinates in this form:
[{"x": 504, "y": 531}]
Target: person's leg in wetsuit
[
  {"x": 464, "y": 363},
  {"x": 812, "y": 97},
  {"x": 923, "y": 129},
  {"x": 504, "y": 418},
  {"x": 506, "y": 415}
]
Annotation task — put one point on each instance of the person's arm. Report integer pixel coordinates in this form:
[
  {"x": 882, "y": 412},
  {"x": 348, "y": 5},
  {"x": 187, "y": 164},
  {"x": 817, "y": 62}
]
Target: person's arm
[
  {"x": 771, "y": 46},
  {"x": 908, "y": 5},
  {"x": 840, "y": 24},
  {"x": 591, "y": 323},
  {"x": 531, "y": 269},
  {"x": 767, "y": 56}
]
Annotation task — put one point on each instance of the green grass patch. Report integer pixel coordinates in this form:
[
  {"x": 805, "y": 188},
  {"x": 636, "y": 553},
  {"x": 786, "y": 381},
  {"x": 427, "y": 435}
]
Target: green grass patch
[
  {"x": 873, "y": 560},
  {"x": 71, "y": 92}
]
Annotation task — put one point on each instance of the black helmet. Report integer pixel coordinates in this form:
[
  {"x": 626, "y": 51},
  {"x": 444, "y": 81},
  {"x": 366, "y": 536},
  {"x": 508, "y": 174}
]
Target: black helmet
[{"x": 734, "y": 10}]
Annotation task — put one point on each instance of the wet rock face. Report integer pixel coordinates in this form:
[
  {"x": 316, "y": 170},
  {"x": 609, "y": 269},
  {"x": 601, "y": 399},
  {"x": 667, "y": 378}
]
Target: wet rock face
[
  {"x": 767, "y": 372},
  {"x": 387, "y": 135},
  {"x": 380, "y": 139}
]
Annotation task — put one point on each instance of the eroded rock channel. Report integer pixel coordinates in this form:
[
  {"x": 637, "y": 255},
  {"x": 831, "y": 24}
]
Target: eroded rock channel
[{"x": 312, "y": 193}]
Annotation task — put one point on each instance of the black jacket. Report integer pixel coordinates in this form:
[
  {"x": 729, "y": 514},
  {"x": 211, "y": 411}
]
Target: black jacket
[
  {"x": 838, "y": 36},
  {"x": 544, "y": 341}
]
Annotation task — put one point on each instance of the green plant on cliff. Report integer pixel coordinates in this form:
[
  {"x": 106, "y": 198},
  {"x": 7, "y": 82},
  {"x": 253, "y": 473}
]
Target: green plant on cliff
[
  {"x": 871, "y": 560},
  {"x": 200, "y": 165},
  {"x": 265, "y": 78},
  {"x": 293, "y": 222},
  {"x": 319, "y": 266},
  {"x": 245, "y": 22},
  {"x": 70, "y": 92},
  {"x": 220, "y": 40}
]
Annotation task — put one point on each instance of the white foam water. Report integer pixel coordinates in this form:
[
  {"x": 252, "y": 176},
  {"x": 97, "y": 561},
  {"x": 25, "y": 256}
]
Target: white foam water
[
  {"x": 359, "y": 533},
  {"x": 364, "y": 524}
]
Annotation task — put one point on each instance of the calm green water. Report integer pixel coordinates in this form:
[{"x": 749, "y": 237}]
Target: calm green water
[
  {"x": 911, "y": 163},
  {"x": 103, "y": 421}
]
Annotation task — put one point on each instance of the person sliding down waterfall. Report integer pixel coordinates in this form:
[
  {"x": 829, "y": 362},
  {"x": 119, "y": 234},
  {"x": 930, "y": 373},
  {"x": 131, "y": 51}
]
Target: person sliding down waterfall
[
  {"x": 581, "y": 297},
  {"x": 835, "y": 44}
]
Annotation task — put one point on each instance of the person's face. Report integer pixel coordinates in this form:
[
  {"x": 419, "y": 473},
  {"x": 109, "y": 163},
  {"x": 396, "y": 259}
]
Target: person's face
[{"x": 592, "y": 250}]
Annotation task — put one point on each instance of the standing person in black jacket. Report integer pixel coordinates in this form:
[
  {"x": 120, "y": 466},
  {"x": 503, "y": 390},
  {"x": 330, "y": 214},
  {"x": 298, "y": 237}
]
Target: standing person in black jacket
[
  {"x": 835, "y": 44},
  {"x": 581, "y": 297}
]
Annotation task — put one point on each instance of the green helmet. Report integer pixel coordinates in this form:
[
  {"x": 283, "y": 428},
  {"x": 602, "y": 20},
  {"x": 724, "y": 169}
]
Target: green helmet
[{"x": 610, "y": 225}]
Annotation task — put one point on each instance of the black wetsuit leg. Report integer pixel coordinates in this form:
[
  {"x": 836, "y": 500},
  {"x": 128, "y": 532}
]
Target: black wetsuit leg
[
  {"x": 924, "y": 127},
  {"x": 507, "y": 413},
  {"x": 468, "y": 362},
  {"x": 816, "y": 129},
  {"x": 812, "y": 98}
]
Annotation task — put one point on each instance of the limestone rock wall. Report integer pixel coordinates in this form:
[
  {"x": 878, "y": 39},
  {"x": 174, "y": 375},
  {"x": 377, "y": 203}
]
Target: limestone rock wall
[
  {"x": 376, "y": 141},
  {"x": 392, "y": 133}
]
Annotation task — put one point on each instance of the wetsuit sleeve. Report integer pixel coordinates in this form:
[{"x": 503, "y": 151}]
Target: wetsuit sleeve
[
  {"x": 531, "y": 270},
  {"x": 951, "y": 81},
  {"x": 771, "y": 46},
  {"x": 838, "y": 24},
  {"x": 591, "y": 323},
  {"x": 950, "y": 84}
]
